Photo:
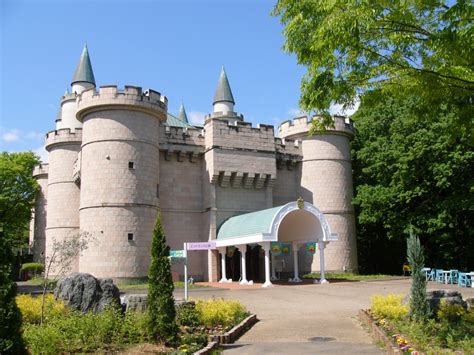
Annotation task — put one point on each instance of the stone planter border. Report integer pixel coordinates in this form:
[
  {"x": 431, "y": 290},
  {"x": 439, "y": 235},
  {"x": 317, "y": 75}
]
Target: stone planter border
[
  {"x": 378, "y": 333},
  {"x": 228, "y": 337}
]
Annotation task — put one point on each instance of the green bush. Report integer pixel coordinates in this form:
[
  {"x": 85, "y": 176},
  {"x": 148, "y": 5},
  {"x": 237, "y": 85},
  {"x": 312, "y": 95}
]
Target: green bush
[
  {"x": 30, "y": 308},
  {"x": 220, "y": 312},
  {"x": 36, "y": 268},
  {"x": 78, "y": 332},
  {"x": 187, "y": 315},
  {"x": 389, "y": 306}
]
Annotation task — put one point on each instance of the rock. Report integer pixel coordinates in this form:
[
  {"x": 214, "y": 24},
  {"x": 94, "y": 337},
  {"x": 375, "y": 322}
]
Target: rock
[
  {"x": 135, "y": 303},
  {"x": 470, "y": 303},
  {"x": 86, "y": 293},
  {"x": 435, "y": 297}
]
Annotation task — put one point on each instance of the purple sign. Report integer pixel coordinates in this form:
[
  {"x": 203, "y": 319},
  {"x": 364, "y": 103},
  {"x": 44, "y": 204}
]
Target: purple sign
[{"x": 201, "y": 246}]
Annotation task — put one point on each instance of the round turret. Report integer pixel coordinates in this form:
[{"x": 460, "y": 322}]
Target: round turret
[
  {"x": 119, "y": 178},
  {"x": 38, "y": 222},
  {"x": 326, "y": 181},
  {"x": 63, "y": 146}
]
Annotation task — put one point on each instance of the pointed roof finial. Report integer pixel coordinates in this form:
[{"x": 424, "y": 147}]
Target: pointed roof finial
[
  {"x": 182, "y": 114},
  {"x": 84, "y": 71},
  {"x": 223, "y": 92}
]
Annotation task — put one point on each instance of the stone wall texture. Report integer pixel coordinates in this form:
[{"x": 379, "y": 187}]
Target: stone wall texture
[{"x": 112, "y": 177}]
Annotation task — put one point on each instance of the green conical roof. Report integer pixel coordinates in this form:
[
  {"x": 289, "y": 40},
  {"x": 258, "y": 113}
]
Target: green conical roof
[
  {"x": 84, "y": 71},
  {"x": 223, "y": 92},
  {"x": 182, "y": 114}
]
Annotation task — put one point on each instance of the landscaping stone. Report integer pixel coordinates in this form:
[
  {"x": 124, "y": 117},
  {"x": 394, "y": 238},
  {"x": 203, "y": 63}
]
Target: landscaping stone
[
  {"x": 135, "y": 303},
  {"x": 435, "y": 297},
  {"x": 85, "y": 293}
]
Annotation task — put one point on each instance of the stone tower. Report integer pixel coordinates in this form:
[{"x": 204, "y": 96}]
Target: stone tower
[
  {"x": 63, "y": 146},
  {"x": 38, "y": 222},
  {"x": 325, "y": 180},
  {"x": 119, "y": 178}
]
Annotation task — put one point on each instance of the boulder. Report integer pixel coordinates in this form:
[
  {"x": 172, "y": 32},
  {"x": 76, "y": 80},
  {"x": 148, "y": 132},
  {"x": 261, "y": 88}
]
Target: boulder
[{"x": 86, "y": 293}]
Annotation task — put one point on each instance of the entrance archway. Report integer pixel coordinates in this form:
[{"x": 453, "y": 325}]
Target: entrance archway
[{"x": 296, "y": 223}]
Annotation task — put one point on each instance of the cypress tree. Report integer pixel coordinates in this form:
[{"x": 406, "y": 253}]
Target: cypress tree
[
  {"x": 160, "y": 301},
  {"x": 419, "y": 309},
  {"x": 10, "y": 316}
]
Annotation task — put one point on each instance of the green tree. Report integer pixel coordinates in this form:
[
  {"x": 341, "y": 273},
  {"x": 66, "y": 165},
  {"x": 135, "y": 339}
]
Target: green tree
[
  {"x": 425, "y": 48},
  {"x": 418, "y": 305},
  {"x": 17, "y": 192},
  {"x": 160, "y": 301},
  {"x": 10, "y": 317},
  {"x": 413, "y": 164}
]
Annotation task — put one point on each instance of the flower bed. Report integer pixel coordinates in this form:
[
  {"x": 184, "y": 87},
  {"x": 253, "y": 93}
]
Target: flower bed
[{"x": 449, "y": 330}]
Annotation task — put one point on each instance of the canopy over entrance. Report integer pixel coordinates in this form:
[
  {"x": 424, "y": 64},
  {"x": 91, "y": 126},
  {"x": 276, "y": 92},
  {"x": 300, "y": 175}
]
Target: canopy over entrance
[{"x": 296, "y": 222}]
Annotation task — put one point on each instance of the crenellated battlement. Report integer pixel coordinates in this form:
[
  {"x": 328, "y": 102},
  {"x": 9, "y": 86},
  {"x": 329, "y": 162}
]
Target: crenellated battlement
[
  {"x": 223, "y": 115},
  {"x": 68, "y": 97},
  {"x": 239, "y": 135},
  {"x": 131, "y": 97},
  {"x": 63, "y": 136},
  {"x": 40, "y": 169},
  {"x": 301, "y": 126}
]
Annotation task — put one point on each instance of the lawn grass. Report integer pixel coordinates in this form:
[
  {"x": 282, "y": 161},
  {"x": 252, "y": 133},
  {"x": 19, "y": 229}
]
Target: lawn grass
[
  {"x": 144, "y": 286},
  {"x": 129, "y": 285},
  {"x": 349, "y": 276}
]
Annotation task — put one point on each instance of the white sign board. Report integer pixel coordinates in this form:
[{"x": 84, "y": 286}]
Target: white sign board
[{"x": 201, "y": 246}]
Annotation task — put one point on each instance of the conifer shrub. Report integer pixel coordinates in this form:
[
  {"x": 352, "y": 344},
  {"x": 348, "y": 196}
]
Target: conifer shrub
[
  {"x": 11, "y": 341},
  {"x": 160, "y": 302},
  {"x": 419, "y": 309}
]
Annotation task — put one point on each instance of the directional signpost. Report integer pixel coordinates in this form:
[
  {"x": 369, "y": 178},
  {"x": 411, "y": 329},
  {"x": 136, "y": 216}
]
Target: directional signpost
[{"x": 192, "y": 246}]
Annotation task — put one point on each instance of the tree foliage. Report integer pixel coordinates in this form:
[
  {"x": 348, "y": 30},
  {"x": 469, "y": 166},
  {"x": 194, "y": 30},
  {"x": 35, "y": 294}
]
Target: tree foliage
[
  {"x": 17, "y": 193},
  {"x": 10, "y": 317},
  {"x": 425, "y": 48},
  {"x": 413, "y": 164},
  {"x": 160, "y": 301},
  {"x": 419, "y": 309}
]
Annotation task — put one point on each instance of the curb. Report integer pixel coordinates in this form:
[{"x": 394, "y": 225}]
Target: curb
[
  {"x": 228, "y": 337},
  {"x": 378, "y": 333}
]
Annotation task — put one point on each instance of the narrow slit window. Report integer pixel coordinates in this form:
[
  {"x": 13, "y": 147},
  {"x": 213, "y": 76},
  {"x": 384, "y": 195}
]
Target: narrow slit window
[
  {"x": 131, "y": 165},
  {"x": 158, "y": 191},
  {"x": 130, "y": 236}
]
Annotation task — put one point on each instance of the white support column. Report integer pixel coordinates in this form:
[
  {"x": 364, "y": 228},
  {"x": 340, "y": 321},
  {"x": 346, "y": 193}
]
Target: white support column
[
  {"x": 266, "y": 247},
  {"x": 223, "y": 270},
  {"x": 243, "y": 266},
  {"x": 322, "y": 246},
  {"x": 273, "y": 278},
  {"x": 295, "y": 262}
]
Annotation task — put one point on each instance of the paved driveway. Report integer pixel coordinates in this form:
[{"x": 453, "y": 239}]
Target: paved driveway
[{"x": 309, "y": 319}]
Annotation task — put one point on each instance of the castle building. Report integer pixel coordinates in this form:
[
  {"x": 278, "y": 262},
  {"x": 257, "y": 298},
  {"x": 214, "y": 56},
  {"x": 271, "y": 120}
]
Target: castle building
[{"x": 118, "y": 157}]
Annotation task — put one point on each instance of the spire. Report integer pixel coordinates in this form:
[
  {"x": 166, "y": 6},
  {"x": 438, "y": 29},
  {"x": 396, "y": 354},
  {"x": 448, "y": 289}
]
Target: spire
[
  {"x": 223, "y": 92},
  {"x": 182, "y": 114},
  {"x": 84, "y": 71}
]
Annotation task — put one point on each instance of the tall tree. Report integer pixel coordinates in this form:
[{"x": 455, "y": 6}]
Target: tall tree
[
  {"x": 17, "y": 193},
  {"x": 160, "y": 301},
  {"x": 425, "y": 48},
  {"x": 413, "y": 164}
]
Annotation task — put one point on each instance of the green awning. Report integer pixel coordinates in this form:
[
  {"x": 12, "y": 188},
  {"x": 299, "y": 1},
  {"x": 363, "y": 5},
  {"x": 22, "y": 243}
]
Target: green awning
[{"x": 248, "y": 224}]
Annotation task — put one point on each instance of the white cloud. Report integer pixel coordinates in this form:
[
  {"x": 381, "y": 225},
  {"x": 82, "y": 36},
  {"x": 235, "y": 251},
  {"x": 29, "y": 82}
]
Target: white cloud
[
  {"x": 337, "y": 109},
  {"x": 295, "y": 112},
  {"x": 11, "y": 135},
  {"x": 8, "y": 135},
  {"x": 42, "y": 153},
  {"x": 196, "y": 117},
  {"x": 34, "y": 135}
]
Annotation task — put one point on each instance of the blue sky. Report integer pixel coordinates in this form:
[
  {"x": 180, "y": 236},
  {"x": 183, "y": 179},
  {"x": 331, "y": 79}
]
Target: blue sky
[{"x": 174, "y": 47}]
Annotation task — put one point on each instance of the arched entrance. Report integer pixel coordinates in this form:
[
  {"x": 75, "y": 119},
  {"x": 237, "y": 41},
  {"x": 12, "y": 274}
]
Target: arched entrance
[{"x": 295, "y": 223}]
